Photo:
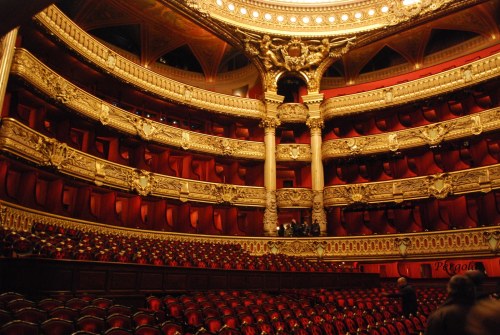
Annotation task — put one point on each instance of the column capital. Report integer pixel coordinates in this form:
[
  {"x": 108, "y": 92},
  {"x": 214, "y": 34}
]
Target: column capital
[
  {"x": 313, "y": 98},
  {"x": 315, "y": 123},
  {"x": 270, "y": 122}
]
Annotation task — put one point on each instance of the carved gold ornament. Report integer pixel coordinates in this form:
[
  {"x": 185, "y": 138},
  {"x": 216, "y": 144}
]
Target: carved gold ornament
[
  {"x": 402, "y": 244},
  {"x": 54, "y": 153},
  {"x": 315, "y": 123},
  {"x": 435, "y": 133},
  {"x": 145, "y": 128},
  {"x": 292, "y": 112},
  {"x": 294, "y": 197},
  {"x": 476, "y": 127},
  {"x": 270, "y": 122},
  {"x": 493, "y": 240},
  {"x": 141, "y": 181},
  {"x": 403, "y": 12},
  {"x": 225, "y": 193},
  {"x": 440, "y": 185}
]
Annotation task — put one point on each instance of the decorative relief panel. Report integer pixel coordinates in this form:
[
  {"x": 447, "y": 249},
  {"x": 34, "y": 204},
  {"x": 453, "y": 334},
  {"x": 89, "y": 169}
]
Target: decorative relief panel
[
  {"x": 293, "y": 152},
  {"x": 440, "y": 186},
  {"x": 102, "y": 57},
  {"x": 430, "y": 86},
  {"x": 27, "y": 144},
  {"x": 477, "y": 242},
  {"x": 431, "y": 135},
  {"x": 294, "y": 197},
  {"x": 56, "y": 87},
  {"x": 293, "y": 112}
]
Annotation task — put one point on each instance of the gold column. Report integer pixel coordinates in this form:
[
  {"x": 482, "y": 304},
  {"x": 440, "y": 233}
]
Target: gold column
[
  {"x": 315, "y": 124},
  {"x": 270, "y": 123},
  {"x": 7, "y": 48}
]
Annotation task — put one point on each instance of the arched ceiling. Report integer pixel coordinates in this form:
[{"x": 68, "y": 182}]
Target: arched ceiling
[{"x": 181, "y": 34}]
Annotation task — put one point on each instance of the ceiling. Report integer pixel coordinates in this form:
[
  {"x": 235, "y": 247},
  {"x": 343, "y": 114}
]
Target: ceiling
[{"x": 161, "y": 35}]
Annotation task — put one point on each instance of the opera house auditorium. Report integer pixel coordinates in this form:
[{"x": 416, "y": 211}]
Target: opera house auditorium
[{"x": 245, "y": 167}]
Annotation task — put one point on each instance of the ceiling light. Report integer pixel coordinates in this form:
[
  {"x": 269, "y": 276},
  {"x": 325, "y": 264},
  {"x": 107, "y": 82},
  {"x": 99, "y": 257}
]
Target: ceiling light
[
  {"x": 243, "y": 11},
  {"x": 410, "y": 2},
  {"x": 385, "y": 9},
  {"x": 305, "y": 19},
  {"x": 230, "y": 7},
  {"x": 293, "y": 19},
  {"x": 344, "y": 17},
  {"x": 371, "y": 12},
  {"x": 358, "y": 15},
  {"x": 331, "y": 19},
  {"x": 219, "y": 3},
  {"x": 268, "y": 16},
  {"x": 319, "y": 19},
  {"x": 280, "y": 18},
  {"x": 255, "y": 14}
]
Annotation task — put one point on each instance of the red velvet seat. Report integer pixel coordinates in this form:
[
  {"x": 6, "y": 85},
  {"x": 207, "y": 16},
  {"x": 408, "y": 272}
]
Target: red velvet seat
[
  {"x": 118, "y": 320},
  {"x": 31, "y": 314},
  {"x": 147, "y": 330},
  {"x": 248, "y": 329},
  {"x": 213, "y": 324},
  {"x": 93, "y": 310},
  {"x": 17, "y": 304},
  {"x": 57, "y": 326},
  {"x": 143, "y": 318},
  {"x": 19, "y": 327},
  {"x": 91, "y": 323},
  {"x": 49, "y": 304},
  {"x": 121, "y": 309},
  {"x": 64, "y": 312},
  {"x": 102, "y": 302},
  {"x": 118, "y": 331},
  {"x": 76, "y": 303},
  {"x": 9, "y": 296},
  {"x": 171, "y": 328}
]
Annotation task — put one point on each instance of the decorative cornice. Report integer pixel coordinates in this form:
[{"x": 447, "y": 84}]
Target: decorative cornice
[
  {"x": 110, "y": 62},
  {"x": 431, "y": 135},
  {"x": 483, "y": 179},
  {"x": 27, "y": 144},
  {"x": 62, "y": 91},
  {"x": 474, "y": 242},
  {"x": 444, "y": 82},
  {"x": 294, "y": 198}
]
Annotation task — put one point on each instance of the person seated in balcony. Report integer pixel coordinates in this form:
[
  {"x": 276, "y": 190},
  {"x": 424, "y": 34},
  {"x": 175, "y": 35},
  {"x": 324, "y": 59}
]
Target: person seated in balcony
[
  {"x": 315, "y": 230},
  {"x": 281, "y": 230}
]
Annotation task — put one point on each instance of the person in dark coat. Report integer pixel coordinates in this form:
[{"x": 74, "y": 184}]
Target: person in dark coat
[
  {"x": 451, "y": 317},
  {"x": 408, "y": 297}
]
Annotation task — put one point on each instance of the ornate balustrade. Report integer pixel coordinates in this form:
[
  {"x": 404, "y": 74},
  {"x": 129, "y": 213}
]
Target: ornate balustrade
[
  {"x": 432, "y": 134},
  {"x": 44, "y": 79},
  {"x": 431, "y": 86},
  {"x": 474, "y": 242},
  {"x": 483, "y": 179},
  {"x": 110, "y": 62},
  {"x": 25, "y": 143},
  {"x": 294, "y": 198}
]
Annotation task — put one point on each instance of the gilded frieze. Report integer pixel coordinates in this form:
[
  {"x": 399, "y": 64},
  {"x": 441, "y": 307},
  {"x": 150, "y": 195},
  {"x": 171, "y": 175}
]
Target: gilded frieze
[
  {"x": 440, "y": 186},
  {"x": 108, "y": 61},
  {"x": 293, "y": 152},
  {"x": 30, "y": 145},
  {"x": 431, "y": 135},
  {"x": 423, "y": 88},
  {"x": 294, "y": 197},
  {"x": 64, "y": 92}
]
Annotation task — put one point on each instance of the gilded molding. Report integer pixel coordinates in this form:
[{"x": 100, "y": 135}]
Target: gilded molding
[
  {"x": 294, "y": 197},
  {"x": 56, "y": 87},
  {"x": 430, "y": 86},
  {"x": 473, "y": 242},
  {"x": 316, "y": 19},
  {"x": 110, "y": 62},
  {"x": 270, "y": 122},
  {"x": 293, "y": 152},
  {"x": 25, "y": 143},
  {"x": 315, "y": 123},
  {"x": 293, "y": 112},
  {"x": 432, "y": 134},
  {"x": 441, "y": 185}
]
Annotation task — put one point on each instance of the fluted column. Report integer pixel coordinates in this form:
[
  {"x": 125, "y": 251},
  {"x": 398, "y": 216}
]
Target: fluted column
[
  {"x": 315, "y": 124},
  {"x": 7, "y": 48},
  {"x": 270, "y": 123}
]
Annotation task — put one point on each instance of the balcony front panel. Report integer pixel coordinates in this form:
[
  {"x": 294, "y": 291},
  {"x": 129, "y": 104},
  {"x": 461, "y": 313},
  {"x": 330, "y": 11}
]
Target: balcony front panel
[{"x": 27, "y": 144}]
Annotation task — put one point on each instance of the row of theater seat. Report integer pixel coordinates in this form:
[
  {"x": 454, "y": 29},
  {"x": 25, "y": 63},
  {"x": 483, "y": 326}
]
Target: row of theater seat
[
  {"x": 296, "y": 312},
  {"x": 60, "y": 243}
]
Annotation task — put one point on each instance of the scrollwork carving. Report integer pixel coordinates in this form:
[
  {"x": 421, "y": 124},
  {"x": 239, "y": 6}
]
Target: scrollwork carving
[
  {"x": 225, "y": 193},
  {"x": 294, "y": 197},
  {"x": 270, "y": 122},
  {"x": 291, "y": 112}
]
